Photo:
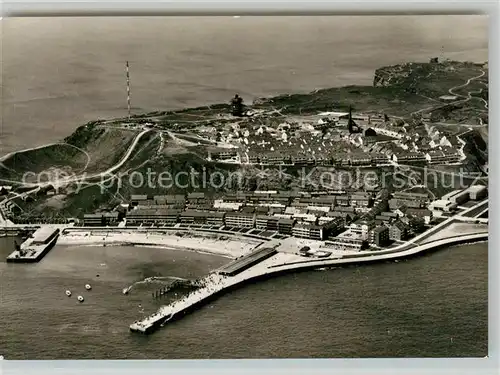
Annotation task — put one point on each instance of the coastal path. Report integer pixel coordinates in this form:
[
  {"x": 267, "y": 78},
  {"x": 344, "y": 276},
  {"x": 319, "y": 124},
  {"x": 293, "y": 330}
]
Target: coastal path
[{"x": 83, "y": 177}]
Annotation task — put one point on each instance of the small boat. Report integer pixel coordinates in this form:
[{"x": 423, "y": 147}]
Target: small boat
[
  {"x": 88, "y": 287},
  {"x": 68, "y": 293},
  {"x": 80, "y": 299}
]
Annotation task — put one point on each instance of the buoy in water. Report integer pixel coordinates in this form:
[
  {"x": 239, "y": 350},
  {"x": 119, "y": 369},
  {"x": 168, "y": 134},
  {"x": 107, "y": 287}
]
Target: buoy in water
[
  {"x": 80, "y": 299},
  {"x": 68, "y": 293},
  {"x": 88, "y": 287}
]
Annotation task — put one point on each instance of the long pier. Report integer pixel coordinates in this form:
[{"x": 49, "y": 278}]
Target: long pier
[{"x": 217, "y": 283}]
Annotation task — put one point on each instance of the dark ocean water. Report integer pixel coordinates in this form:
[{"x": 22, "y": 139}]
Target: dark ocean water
[
  {"x": 58, "y": 73},
  {"x": 431, "y": 306}
]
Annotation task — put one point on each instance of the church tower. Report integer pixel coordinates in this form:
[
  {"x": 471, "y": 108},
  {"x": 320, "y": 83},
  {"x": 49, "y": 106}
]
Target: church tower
[{"x": 350, "y": 123}]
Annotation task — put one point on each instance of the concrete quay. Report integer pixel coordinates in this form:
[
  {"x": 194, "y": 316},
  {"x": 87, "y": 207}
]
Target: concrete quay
[
  {"x": 216, "y": 284},
  {"x": 36, "y": 247}
]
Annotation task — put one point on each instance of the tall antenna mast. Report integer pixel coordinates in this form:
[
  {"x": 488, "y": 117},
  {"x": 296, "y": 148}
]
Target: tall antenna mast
[{"x": 128, "y": 92}]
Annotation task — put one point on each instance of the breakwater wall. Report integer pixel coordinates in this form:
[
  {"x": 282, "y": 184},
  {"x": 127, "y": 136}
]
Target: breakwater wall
[
  {"x": 223, "y": 284},
  {"x": 32, "y": 255}
]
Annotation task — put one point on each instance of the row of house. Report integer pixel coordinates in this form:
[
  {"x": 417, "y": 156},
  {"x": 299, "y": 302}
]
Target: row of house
[
  {"x": 194, "y": 200},
  {"x": 101, "y": 219},
  {"x": 446, "y": 156},
  {"x": 223, "y": 154},
  {"x": 313, "y": 216},
  {"x": 408, "y": 200},
  {"x": 319, "y": 205},
  {"x": 362, "y": 233},
  {"x": 158, "y": 200},
  {"x": 306, "y": 158},
  {"x": 381, "y": 155},
  {"x": 283, "y": 224},
  {"x": 319, "y": 202},
  {"x": 417, "y": 148}
]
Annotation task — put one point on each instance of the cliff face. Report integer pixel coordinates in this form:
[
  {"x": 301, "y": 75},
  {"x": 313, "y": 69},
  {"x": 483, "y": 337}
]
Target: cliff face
[
  {"x": 381, "y": 78},
  {"x": 391, "y": 75},
  {"x": 475, "y": 147},
  {"x": 406, "y": 74}
]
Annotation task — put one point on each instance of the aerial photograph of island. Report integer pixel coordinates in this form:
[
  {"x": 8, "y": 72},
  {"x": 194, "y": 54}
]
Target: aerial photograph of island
[{"x": 223, "y": 187}]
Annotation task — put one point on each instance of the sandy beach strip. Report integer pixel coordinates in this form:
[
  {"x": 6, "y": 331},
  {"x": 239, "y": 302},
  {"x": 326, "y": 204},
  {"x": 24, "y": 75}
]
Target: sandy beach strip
[{"x": 231, "y": 247}]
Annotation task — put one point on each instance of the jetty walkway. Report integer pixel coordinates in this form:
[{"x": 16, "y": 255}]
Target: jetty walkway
[{"x": 217, "y": 283}]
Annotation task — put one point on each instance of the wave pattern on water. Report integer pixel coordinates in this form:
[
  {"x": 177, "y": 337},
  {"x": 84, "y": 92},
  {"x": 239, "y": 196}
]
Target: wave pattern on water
[
  {"x": 431, "y": 306},
  {"x": 153, "y": 279}
]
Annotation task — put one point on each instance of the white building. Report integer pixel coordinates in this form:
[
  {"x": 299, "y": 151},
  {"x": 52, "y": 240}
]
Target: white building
[
  {"x": 361, "y": 228},
  {"x": 444, "y": 142},
  {"x": 388, "y": 132},
  {"x": 220, "y": 204},
  {"x": 440, "y": 206},
  {"x": 477, "y": 192},
  {"x": 240, "y": 219},
  {"x": 305, "y": 217},
  {"x": 347, "y": 240},
  {"x": 319, "y": 208},
  {"x": 325, "y": 219},
  {"x": 457, "y": 196}
]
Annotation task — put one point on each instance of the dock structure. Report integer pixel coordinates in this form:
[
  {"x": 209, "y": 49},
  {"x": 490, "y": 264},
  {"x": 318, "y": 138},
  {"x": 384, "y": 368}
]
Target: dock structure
[
  {"x": 160, "y": 292},
  {"x": 35, "y": 247},
  {"x": 232, "y": 274},
  {"x": 280, "y": 262},
  {"x": 247, "y": 261},
  {"x": 214, "y": 283},
  {"x": 44, "y": 235}
]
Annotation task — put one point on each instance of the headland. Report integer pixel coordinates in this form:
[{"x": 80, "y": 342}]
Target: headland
[{"x": 337, "y": 176}]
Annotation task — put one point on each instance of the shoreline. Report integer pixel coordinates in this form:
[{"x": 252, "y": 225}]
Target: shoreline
[
  {"x": 197, "y": 250},
  {"x": 148, "y": 245},
  {"x": 266, "y": 99},
  {"x": 272, "y": 267},
  {"x": 228, "y": 248}
]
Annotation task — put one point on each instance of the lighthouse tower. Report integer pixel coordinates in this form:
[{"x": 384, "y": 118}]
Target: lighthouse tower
[{"x": 237, "y": 106}]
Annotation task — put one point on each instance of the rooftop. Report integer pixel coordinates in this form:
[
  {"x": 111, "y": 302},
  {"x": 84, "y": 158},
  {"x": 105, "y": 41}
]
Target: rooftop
[
  {"x": 138, "y": 197},
  {"x": 476, "y": 188},
  {"x": 380, "y": 229},
  {"x": 43, "y": 233}
]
